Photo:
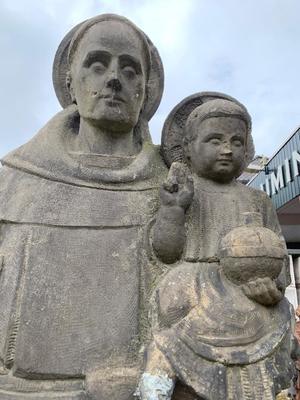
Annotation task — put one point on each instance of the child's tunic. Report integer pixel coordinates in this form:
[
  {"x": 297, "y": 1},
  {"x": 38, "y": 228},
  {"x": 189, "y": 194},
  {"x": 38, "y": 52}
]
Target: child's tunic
[{"x": 219, "y": 342}]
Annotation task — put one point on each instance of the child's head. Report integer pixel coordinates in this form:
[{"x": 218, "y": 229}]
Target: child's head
[{"x": 218, "y": 143}]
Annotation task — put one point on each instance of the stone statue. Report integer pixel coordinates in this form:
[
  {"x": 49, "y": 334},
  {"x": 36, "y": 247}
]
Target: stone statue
[
  {"x": 220, "y": 323},
  {"x": 86, "y": 254},
  {"x": 76, "y": 207}
]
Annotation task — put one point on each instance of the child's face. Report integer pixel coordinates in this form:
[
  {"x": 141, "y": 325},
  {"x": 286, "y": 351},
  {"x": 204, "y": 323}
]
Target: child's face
[{"x": 217, "y": 151}]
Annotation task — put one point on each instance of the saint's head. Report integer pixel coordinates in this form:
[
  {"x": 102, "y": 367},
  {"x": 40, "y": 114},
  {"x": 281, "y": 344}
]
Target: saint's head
[
  {"x": 217, "y": 140},
  {"x": 109, "y": 64}
]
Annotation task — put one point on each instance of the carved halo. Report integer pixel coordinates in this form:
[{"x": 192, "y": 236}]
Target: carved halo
[
  {"x": 155, "y": 82},
  {"x": 173, "y": 130}
]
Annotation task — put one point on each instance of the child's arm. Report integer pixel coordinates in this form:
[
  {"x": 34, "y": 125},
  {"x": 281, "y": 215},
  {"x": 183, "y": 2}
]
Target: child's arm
[{"x": 169, "y": 230}]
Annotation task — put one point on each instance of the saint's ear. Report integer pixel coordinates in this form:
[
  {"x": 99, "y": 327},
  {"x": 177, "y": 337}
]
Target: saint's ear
[
  {"x": 145, "y": 100},
  {"x": 70, "y": 86}
]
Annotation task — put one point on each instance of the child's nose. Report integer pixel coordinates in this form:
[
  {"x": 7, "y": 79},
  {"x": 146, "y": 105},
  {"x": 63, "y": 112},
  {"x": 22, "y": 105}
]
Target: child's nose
[{"x": 226, "y": 148}]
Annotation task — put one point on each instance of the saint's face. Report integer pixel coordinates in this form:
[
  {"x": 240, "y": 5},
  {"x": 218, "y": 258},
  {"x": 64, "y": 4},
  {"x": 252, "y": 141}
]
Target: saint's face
[
  {"x": 108, "y": 76},
  {"x": 217, "y": 151}
]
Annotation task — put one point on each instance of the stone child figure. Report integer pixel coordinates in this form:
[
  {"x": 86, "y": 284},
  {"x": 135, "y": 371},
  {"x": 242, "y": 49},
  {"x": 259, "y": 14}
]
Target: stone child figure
[
  {"x": 75, "y": 204},
  {"x": 220, "y": 324}
]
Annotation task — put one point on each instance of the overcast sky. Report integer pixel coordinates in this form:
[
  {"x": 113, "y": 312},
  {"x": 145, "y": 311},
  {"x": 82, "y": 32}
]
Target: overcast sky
[{"x": 249, "y": 49}]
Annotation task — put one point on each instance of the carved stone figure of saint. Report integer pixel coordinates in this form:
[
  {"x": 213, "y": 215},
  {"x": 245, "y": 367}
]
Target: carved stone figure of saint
[
  {"x": 220, "y": 323},
  {"x": 75, "y": 205}
]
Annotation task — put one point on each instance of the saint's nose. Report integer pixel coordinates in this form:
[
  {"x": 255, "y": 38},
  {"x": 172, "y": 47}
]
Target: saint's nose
[{"x": 114, "y": 83}]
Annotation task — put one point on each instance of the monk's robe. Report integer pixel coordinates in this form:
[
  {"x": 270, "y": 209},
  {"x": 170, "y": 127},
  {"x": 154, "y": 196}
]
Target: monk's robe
[{"x": 75, "y": 274}]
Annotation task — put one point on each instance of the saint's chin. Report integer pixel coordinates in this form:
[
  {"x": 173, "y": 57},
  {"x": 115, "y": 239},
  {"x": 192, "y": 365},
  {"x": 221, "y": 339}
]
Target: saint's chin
[{"x": 113, "y": 122}]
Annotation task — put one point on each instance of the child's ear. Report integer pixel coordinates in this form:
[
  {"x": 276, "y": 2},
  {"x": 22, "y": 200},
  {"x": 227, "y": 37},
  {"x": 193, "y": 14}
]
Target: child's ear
[{"x": 186, "y": 148}]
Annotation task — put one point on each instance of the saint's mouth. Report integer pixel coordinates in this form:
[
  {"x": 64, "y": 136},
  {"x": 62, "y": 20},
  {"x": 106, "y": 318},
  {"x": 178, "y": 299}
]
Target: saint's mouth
[{"x": 113, "y": 99}]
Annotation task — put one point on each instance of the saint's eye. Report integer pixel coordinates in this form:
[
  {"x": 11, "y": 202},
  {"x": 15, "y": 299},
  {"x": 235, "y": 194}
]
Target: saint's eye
[
  {"x": 129, "y": 71},
  {"x": 97, "y": 61},
  {"x": 98, "y": 67}
]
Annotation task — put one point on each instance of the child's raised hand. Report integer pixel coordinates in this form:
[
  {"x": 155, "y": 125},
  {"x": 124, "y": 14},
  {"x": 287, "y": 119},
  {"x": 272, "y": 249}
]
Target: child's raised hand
[
  {"x": 178, "y": 189},
  {"x": 263, "y": 291}
]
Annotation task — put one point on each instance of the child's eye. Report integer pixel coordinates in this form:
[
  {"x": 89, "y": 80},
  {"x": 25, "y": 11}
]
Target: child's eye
[
  {"x": 237, "y": 143},
  {"x": 215, "y": 141}
]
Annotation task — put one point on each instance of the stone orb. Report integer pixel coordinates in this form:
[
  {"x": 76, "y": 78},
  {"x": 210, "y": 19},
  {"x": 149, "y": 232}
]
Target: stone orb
[{"x": 247, "y": 253}]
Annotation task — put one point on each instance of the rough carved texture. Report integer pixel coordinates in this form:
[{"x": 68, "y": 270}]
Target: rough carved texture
[{"x": 79, "y": 217}]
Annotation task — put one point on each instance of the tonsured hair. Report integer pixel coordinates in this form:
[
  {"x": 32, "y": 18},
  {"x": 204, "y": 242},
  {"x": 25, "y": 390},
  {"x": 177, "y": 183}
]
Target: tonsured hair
[{"x": 103, "y": 18}]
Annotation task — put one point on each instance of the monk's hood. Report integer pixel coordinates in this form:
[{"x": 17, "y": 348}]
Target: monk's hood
[{"x": 48, "y": 155}]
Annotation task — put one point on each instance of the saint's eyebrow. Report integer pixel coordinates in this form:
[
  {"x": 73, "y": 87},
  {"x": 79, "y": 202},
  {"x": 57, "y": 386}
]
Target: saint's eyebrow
[
  {"x": 132, "y": 61},
  {"x": 96, "y": 55}
]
